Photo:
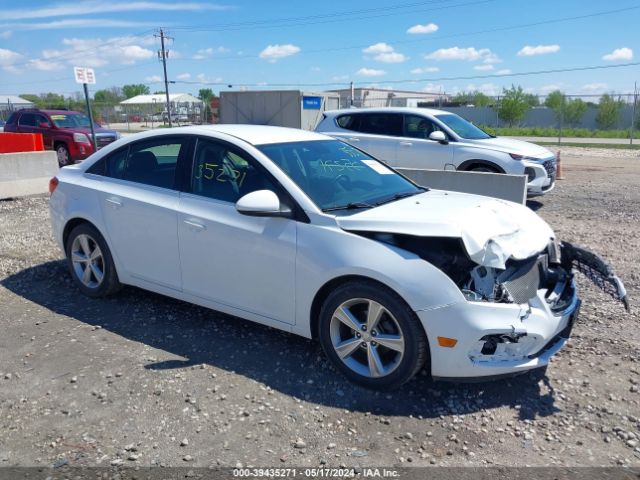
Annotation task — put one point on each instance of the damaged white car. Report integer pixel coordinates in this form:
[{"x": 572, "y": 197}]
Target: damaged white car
[{"x": 307, "y": 234}]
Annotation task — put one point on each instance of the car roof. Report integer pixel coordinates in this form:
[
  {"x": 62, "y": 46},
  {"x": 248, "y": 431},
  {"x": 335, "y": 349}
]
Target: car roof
[
  {"x": 415, "y": 110},
  {"x": 49, "y": 111},
  {"x": 253, "y": 134}
]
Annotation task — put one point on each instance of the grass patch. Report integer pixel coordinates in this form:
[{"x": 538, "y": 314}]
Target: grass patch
[
  {"x": 553, "y": 132},
  {"x": 610, "y": 146}
]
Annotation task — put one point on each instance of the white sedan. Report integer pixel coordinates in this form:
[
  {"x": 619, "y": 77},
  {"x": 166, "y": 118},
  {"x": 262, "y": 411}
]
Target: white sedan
[{"x": 307, "y": 234}]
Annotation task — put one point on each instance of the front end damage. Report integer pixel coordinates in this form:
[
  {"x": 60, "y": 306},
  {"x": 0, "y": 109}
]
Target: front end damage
[{"x": 515, "y": 318}]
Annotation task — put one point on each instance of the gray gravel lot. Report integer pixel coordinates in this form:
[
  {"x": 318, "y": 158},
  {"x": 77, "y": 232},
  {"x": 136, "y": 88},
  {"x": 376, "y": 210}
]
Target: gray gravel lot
[{"x": 140, "y": 379}]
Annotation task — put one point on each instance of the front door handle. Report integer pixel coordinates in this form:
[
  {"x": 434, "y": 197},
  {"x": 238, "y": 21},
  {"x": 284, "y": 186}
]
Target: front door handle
[
  {"x": 195, "y": 226},
  {"x": 353, "y": 139},
  {"x": 406, "y": 144},
  {"x": 114, "y": 202}
]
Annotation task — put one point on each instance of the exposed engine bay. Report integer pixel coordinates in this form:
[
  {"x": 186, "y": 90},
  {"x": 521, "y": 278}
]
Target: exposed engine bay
[{"x": 551, "y": 269}]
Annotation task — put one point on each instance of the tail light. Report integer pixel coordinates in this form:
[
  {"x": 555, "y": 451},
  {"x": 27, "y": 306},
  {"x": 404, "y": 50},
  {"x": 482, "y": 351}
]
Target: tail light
[{"x": 53, "y": 183}]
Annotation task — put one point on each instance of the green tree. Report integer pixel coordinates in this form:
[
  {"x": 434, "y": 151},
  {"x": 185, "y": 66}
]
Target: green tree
[
  {"x": 608, "y": 112},
  {"x": 475, "y": 98},
  {"x": 555, "y": 100},
  {"x": 513, "y": 105},
  {"x": 130, "y": 91},
  {"x": 206, "y": 94},
  {"x": 111, "y": 96},
  {"x": 574, "y": 110},
  {"x": 532, "y": 99}
]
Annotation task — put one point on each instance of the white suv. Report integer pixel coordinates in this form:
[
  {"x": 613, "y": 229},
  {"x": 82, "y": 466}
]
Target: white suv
[{"x": 436, "y": 139}]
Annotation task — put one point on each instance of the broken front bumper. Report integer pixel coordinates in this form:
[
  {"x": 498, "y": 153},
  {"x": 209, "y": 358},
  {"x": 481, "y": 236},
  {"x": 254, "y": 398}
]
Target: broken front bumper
[{"x": 498, "y": 339}]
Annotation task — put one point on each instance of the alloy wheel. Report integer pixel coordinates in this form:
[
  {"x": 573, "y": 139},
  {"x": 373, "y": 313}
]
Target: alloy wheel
[
  {"x": 367, "y": 337},
  {"x": 87, "y": 260}
]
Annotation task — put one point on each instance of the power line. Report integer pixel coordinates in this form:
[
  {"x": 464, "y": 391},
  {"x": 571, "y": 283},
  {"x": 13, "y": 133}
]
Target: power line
[
  {"x": 434, "y": 79},
  {"x": 452, "y": 35},
  {"x": 320, "y": 18}
]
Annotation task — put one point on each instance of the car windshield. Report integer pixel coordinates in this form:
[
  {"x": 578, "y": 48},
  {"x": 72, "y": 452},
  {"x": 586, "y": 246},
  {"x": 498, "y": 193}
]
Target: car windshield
[
  {"x": 463, "y": 128},
  {"x": 75, "y": 120},
  {"x": 338, "y": 177}
]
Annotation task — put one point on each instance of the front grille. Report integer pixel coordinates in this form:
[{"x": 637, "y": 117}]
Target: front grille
[
  {"x": 104, "y": 141},
  {"x": 550, "y": 167}
]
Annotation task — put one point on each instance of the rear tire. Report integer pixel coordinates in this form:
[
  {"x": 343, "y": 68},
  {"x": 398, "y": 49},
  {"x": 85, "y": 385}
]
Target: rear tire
[
  {"x": 372, "y": 336},
  {"x": 90, "y": 262},
  {"x": 482, "y": 169}
]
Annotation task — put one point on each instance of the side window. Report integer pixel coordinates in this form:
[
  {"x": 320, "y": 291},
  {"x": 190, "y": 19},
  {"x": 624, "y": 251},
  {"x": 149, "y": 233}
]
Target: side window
[
  {"x": 224, "y": 173},
  {"x": 42, "y": 119},
  {"x": 349, "y": 122},
  {"x": 150, "y": 162},
  {"x": 419, "y": 127},
  {"x": 27, "y": 120},
  {"x": 111, "y": 165},
  {"x": 382, "y": 124}
]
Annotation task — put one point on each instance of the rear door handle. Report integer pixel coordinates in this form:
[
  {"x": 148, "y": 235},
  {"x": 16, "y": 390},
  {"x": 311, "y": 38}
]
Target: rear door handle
[
  {"x": 406, "y": 144},
  {"x": 114, "y": 202},
  {"x": 353, "y": 139},
  {"x": 195, "y": 226}
]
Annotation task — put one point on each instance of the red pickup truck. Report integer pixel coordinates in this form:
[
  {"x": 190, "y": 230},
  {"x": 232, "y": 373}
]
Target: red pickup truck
[{"x": 66, "y": 132}]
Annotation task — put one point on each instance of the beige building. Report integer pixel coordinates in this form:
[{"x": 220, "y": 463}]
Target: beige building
[{"x": 380, "y": 97}]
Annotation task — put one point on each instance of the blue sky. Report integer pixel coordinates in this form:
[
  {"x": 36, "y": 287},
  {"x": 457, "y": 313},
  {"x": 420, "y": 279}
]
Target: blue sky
[{"x": 404, "y": 44}]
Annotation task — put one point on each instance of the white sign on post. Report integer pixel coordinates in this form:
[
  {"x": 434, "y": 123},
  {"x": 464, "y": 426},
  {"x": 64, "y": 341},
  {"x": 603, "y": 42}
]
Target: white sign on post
[{"x": 84, "y": 75}]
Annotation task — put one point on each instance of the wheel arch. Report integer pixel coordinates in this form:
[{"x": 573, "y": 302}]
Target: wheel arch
[
  {"x": 472, "y": 163},
  {"x": 326, "y": 289}
]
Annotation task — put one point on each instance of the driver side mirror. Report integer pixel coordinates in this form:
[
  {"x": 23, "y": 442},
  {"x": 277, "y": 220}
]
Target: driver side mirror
[
  {"x": 438, "y": 136},
  {"x": 262, "y": 203}
]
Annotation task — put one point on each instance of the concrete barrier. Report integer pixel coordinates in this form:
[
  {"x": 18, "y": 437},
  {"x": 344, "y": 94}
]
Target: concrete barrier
[
  {"x": 497, "y": 185},
  {"x": 26, "y": 173}
]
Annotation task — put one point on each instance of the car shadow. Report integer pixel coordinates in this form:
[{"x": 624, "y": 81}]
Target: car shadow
[
  {"x": 534, "y": 205},
  {"x": 284, "y": 362}
]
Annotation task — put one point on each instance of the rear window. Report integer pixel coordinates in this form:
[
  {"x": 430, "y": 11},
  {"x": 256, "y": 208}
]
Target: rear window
[
  {"x": 349, "y": 122},
  {"x": 13, "y": 118}
]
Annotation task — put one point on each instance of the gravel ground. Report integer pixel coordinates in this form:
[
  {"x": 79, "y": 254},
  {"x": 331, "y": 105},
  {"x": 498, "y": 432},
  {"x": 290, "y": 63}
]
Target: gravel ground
[{"x": 141, "y": 380}]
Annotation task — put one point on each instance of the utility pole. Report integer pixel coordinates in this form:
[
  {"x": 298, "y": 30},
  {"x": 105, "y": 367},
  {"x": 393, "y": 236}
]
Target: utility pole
[
  {"x": 633, "y": 111},
  {"x": 163, "y": 54}
]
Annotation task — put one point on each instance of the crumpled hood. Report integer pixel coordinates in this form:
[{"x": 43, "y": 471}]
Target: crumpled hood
[
  {"x": 511, "y": 145},
  {"x": 492, "y": 230}
]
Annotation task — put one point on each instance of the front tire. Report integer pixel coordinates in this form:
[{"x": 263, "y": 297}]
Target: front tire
[
  {"x": 90, "y": 262},
  {"x": 64, "y": 158},
  {"x": 372, "y": 336}
]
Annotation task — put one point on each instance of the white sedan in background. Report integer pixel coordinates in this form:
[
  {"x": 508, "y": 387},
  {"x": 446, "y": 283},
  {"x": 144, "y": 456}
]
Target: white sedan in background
[{"x": 305, "y": 233}]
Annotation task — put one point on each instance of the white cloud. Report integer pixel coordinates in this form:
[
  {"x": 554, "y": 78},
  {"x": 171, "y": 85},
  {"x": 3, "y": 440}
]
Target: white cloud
[
  {"x": 504, "y": 71},
  {"x": 44, "y": 65},
  {"x": 392, "y": 57},
  {"x": 421, "y": 70},
  {"x": 77, "y": 23},
  {"x": 385, "y": 53},
  {"x": 93, "y": 7},
  {"x": 623, "y": 53},
  {"x": 490, "y": 89},
  {"x": 433, "y": 88},
  {"x": 550, "y": 88},
  {"x": 183, "y": 76},
  {"x": 378, "y": 48},
  {"x": 470, "y": 54},
  {"x": 96, "y": 52},
  {"x": 370, "y": 72},
  {"x": 153, "y": 79},
  {"x": 339, "y": 78},
  {"x": 422, "y": 29},
  {"x": 276, "y": 52},
  {"x": 483, "y": 68},
  {"x": 201, "y": 77},
  {"x": 209, "y": 52},
  {"x": 6, "y": 34},
  {"x": 529, "y": 51},
  {"x": 595, "y": 87},
  {"x": 7, "y": 60},
  {"x": 315, "y": 69}
]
